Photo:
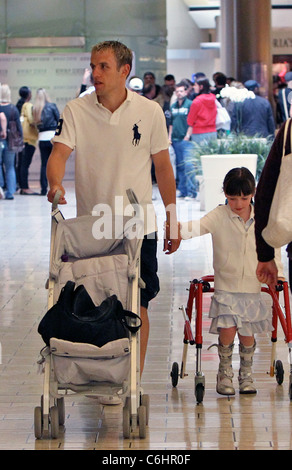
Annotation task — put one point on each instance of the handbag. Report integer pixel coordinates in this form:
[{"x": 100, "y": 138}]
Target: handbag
[
  {"x": 223, "y": 120},
  {"x": 75, "y": 318},
  {"x": 29, "y": 129},
  {"x": 15, "y": 138},
  {"x": 278, "y": 231}
]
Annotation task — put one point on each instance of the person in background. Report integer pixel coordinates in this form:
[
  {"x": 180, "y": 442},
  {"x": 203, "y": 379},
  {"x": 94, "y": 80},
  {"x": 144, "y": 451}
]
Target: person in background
[
  {"x": 220, "y": 81},
  {"x": 285, "y": 97},
  {"x": 46, "y": 116},
  {"x": 202, "y": 115},
  {"x": 136, "y": 84},
  {"x": 195, "y": 77},
  {"x": 180, "y": 140},
  {"x": 30, "y": 138},
  {"x": 253, "y": 116},
  {"x": 87, "y": 83},
  {"x": 8, "y": 156},
  {"x": 3, "y": 130},
  {"x": 169, "y": 87},
  {"x": 149, "y": 81}
]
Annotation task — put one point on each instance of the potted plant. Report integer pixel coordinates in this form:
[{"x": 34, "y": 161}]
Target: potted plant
[{"x": 233, "y": 145}]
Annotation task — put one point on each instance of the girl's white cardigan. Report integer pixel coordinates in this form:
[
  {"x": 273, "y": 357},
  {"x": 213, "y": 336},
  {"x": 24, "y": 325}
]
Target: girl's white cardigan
[{"x": 234, "y": 249}]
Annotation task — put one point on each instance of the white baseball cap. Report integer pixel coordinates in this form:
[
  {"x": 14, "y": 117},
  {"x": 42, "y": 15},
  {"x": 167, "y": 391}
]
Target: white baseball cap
[{"x": 136, "y": 84}]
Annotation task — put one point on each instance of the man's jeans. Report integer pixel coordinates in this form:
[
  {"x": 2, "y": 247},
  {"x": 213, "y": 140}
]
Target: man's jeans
[{"x": 185, "y": 171}]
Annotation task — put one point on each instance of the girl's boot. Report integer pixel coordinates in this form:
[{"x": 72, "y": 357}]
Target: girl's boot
[
  {"x": 225, "y": 371},
  {"x": 245, "y": 374}
]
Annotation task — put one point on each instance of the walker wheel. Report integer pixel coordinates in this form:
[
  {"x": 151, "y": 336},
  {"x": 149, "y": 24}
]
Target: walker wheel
[
  {"x": 199, "y": 392},
  {"x": 174, "y": 374},
  {"x": 290, "y": 387},
  {"x": 279, "y": 372}
]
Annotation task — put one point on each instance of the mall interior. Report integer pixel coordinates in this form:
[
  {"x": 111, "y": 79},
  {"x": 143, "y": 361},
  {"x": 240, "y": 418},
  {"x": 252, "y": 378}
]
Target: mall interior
[{"x": 48, "y": 44}]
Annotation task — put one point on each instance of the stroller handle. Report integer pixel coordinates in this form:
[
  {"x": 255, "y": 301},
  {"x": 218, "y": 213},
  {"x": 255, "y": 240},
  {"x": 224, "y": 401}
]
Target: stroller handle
[
  {"x": 132, "y": 196},
  {"x": 56, "y": 200}
]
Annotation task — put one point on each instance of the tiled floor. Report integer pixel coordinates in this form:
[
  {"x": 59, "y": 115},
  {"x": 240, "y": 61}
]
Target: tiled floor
[{"x": 176, "y": 421}]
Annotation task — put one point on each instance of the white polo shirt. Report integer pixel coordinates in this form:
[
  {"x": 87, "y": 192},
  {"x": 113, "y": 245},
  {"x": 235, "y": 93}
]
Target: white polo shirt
[{"x": 113, "y": 151}]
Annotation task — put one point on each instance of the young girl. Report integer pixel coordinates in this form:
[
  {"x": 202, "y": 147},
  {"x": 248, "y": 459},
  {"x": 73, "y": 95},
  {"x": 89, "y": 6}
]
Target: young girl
[{"x": 236, "y": 305}]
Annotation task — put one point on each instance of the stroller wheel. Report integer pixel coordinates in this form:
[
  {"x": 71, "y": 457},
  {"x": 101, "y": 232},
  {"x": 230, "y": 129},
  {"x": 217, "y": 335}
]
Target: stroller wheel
[
  {"x": 174, "y": 374},
  {"x": 54, "y": 417},
  {"x": 142, "y": 421},
  {"x": 279, "y": 372},
  {"x": 126, "y": 420},
  {"x": 38, "y": 422},
  {"x": 145, "y": 401},
  {"x": 61, "y": 410}
]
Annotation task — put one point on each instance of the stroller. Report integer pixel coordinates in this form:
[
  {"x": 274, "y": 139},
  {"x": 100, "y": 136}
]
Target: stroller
[
  {"x": 105, "y": 267},
  {"x": 195, "y": 301}
]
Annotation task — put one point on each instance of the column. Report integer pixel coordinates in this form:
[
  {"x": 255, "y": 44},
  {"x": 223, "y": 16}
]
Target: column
[
  {"x": 246, "y": 41},
  {"x": 227, "y": 39},
  {"x": 253, "y": 43}
]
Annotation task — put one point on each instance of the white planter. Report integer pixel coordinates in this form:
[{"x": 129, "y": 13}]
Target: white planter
[{"x": 214, "y": 168}]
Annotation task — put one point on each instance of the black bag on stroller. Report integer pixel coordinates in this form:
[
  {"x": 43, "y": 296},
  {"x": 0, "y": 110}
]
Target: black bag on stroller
[{"x": 75, "y": 318}]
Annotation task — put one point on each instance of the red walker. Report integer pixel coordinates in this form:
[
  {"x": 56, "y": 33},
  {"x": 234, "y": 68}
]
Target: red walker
[{"x": 196, "y": 290}]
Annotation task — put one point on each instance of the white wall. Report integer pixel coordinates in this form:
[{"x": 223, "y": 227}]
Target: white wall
[{"x": 184, "y": 55}]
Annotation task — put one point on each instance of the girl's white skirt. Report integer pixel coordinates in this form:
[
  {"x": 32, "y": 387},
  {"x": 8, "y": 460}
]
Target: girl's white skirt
[{"x": 249, "y": 312}]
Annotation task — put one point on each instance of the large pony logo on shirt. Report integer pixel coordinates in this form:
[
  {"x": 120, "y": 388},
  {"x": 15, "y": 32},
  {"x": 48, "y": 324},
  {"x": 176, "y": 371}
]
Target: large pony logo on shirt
[{"x": 137, "y": 135}]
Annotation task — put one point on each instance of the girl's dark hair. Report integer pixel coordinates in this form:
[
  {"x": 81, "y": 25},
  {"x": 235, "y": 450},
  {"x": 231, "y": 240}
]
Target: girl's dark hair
[
  {"x": 239, "y": 181},
  {"x": 204, "y": 82}
]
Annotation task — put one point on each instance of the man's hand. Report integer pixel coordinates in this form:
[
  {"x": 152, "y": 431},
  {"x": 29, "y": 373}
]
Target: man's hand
[
  {"x": 172, "y": 238},
  {"x": 52, "y": 192},
  {"x": 267, "y": 273}
]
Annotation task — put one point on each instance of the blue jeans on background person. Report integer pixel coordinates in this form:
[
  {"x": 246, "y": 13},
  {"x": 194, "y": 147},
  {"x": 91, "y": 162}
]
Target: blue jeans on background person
[
  {"x": 186, "y": 182},
  {"x": 8, "y": 160},
  {"x": 206, "y": 137}
]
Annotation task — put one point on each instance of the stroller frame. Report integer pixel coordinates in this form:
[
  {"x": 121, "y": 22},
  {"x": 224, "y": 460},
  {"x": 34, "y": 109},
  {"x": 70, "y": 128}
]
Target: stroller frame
[
  {"x": 51, "y": 413},
  {"x": 195, "y": 300}
]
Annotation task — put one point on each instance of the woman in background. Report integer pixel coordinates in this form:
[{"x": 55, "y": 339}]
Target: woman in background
[
  {"x": 30, "y": 138},
  {"x": 46, "y": 116},
  {"x": 202, "y": 115},
  {"x": 8, "y": 156}
]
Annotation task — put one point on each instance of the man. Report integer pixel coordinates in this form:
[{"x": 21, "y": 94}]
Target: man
[
  {"x": 136, "y": 85},
  {"x": 149, "y": 80},
  {"x": 254, "y": 116},
  {"x": 169, "y": 87},
  {"x": 116, "y": 135},
  {"x": 180, "y": 140},
  {"x": 285, "y": 98},
  {"x": 220, "y": 81}
]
